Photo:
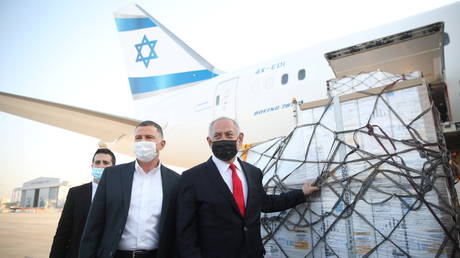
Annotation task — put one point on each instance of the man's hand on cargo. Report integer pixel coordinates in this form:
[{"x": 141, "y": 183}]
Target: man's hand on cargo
[{"x": 309, "y": 188}]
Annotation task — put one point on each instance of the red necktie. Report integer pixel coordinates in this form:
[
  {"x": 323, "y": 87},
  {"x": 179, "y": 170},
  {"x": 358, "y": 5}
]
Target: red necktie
[{"x": 237, "y": 189}]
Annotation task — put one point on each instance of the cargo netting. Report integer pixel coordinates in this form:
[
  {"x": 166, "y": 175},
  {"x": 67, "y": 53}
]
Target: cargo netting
[{"x": 378, "y": 154}]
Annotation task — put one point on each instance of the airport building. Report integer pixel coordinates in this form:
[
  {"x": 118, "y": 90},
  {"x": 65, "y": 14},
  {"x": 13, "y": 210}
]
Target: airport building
[{"x": 42, "y": 192}]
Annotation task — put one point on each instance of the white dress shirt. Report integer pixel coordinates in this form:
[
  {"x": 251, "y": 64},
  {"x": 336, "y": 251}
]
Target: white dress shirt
[
  {"x": 93, "y": 190},
  {"x": 142, "y": 224},
  {"x": 226, "y": 173}
]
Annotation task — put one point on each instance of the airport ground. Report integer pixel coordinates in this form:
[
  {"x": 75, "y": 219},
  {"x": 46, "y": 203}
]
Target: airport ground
[{"x": 27, "y": 235}]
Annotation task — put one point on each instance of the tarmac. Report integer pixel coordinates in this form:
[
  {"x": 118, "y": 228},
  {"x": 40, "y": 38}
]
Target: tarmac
[{"x": 27, "y": 235}]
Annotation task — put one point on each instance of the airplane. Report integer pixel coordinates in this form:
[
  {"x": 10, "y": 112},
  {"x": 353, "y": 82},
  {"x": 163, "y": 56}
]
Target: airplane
[{"x": 176, "y": 87}]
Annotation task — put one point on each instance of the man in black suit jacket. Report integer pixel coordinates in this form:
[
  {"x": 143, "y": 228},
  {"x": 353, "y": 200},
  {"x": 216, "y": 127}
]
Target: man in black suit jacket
[
  {"x": 133, "y": 212},
  {"x": 219, "y": 206},
  {"x": 68, "y": 233}
]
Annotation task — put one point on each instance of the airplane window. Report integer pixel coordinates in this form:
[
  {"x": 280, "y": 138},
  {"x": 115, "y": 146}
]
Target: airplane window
[
  {"x": 284, "y": 78},
  {"x": 301, "y": 74},
  {"x": 217, "y": 100}
]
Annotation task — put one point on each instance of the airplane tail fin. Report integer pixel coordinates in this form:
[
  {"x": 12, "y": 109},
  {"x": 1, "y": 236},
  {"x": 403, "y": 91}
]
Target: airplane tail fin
[{"x": 156, "y": 59}]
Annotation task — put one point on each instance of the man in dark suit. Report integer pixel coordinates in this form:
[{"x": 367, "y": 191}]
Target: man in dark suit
[
  {"x": 220, "y": 201},
  {"x": 68, "y": 233},
  {"x": 133, "y": 212}
]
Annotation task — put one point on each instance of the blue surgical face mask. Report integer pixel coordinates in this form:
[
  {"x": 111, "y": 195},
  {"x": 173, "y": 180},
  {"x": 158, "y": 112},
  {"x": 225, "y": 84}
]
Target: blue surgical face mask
[{"x": 97, "y": 173}]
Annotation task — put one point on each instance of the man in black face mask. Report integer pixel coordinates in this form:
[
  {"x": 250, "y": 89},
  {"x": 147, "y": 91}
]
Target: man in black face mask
[{"x": 220, "y": 201}]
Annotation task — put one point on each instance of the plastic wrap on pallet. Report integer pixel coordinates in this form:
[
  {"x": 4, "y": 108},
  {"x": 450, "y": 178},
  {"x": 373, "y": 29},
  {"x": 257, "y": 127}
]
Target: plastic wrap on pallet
[
  {"x": 365, "y": 81},
  {"x": 385, "y": 181}
]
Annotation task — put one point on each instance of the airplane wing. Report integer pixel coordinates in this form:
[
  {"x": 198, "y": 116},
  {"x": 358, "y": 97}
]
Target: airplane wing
[{"x": 114, "y": 130}]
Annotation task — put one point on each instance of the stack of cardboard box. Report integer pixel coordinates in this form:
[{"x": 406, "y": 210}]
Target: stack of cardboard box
[{"x": 378, "y": 152}]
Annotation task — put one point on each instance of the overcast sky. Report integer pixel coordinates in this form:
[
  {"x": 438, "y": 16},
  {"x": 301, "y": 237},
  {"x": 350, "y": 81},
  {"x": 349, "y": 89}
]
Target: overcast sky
[{"x": 69, "y": 52}]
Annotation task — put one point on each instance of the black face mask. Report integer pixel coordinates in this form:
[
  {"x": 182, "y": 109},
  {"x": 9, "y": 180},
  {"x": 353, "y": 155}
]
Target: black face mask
[{"x": 224, "y": 150}]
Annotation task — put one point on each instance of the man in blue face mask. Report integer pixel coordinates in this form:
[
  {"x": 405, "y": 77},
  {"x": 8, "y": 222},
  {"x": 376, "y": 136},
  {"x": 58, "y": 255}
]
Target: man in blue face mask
[{"x": 67, "y": 238}]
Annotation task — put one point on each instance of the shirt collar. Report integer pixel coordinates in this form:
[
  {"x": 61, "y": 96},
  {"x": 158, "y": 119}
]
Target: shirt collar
[
  {"x": 222, "y": 166},
  {"x": 140, "y": 170}
]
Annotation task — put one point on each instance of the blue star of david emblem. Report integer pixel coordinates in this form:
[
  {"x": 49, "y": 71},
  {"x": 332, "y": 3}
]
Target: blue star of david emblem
[{"x": 152, "y": 55}]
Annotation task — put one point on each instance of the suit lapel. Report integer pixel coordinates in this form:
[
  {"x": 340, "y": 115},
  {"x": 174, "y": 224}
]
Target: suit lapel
[
  {"x": 86, "y": 197},
  {"x": 126, "y": 181},
  {"x": 166, "y": 182},
  {"x": 218, "y": 182},
  {"x": 251, "y": 183}
]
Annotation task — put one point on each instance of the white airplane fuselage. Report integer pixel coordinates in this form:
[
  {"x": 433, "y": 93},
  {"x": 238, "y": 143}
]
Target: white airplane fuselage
[
  {"x": 260, "y": 96},
  {"x": 256, "y": 97}
]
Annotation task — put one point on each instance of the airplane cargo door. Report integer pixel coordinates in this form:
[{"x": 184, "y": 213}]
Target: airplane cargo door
[{"x": 225, "y": 99}]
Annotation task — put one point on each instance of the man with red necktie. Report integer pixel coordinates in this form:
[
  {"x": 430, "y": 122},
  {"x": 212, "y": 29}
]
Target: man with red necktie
[{"x": 220, "y": 201}]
